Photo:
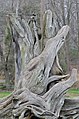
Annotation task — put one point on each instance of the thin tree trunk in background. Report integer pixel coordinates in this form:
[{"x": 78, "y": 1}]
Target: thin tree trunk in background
[
  {"x": 9, "y": 56},
  {"x": 41, "y": 13},
  {"x": 67, "y": 55},
  {"x": 77, "y": 15},
  {"x": 66, "y": 45},
  {"x": 17, "y": 7}
]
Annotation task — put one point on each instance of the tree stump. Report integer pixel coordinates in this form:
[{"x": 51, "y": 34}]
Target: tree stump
[{"x": 39, "y": 92}]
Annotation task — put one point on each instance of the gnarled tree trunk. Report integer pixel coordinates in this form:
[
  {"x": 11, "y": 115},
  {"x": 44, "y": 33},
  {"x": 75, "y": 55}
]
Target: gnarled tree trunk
[{"x": 39, "y": 91}]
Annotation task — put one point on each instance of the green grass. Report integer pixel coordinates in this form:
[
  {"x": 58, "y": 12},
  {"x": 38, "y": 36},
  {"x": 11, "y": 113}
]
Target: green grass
[
  {"x": 4, "y": 94},
  {"x": 74, "y": 91}
]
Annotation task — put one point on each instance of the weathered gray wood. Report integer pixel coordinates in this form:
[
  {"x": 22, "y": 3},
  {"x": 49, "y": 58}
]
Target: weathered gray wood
[
  {"x": 23, "y": 29},
  {"x": 31, "y": 96},
  {"x": 37, "y": 49},
  {"x": 49, "y": 104},
  {"x": 55, "y": 78},
  {"x": 38, "y": 69},
  {"x": 23, "y": 45},
  {"x": 71, "y": 108},
  {"x": 48, "y": 26},
  {"x": 48, "y": 32},
  {"x": 56, "y": 93}
]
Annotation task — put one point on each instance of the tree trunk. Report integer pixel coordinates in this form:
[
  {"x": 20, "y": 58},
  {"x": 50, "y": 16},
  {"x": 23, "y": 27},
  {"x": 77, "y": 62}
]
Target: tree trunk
[{"x": 38, "y": 93}]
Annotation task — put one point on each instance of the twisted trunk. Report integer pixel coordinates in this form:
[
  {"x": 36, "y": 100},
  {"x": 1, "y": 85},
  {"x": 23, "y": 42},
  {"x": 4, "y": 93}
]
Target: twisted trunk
[{"x": 38, "y": 93}]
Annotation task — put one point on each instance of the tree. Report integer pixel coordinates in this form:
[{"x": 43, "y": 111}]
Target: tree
[{"x": 38, "y": 92}]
